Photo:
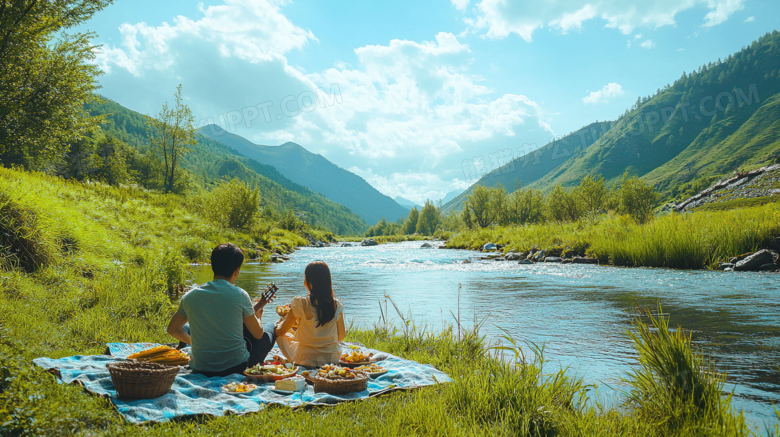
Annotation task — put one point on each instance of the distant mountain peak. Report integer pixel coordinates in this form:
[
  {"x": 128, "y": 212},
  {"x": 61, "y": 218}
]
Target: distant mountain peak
[
  {"x": 406, "y": 203},
  {"x": 317, "y": 173}
]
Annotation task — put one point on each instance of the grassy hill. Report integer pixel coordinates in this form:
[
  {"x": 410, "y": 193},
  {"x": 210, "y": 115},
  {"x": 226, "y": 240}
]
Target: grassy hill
[
  {"x": 317, "y": 173},
  {"x": 210, "y": 160},
  {"x": 722, "y": 117},
  {"x": 715, "y": 120},
  {"x": 532, "y": 166}
]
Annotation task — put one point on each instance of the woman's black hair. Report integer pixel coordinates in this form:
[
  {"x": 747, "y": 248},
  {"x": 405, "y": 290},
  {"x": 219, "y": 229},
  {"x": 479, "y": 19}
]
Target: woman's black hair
[{"x": 321, "y": 294}]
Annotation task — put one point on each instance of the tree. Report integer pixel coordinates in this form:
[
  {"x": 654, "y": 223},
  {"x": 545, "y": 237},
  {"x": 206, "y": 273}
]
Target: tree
[
  {"x": 46, "y": 76},
  {"x": 429, "y": 220},
  {"x": 170, "y": 133},
  {"x": 637, "y": 198},
  {"x": 498, "y": 204},
  {"x": 410, "y": 225},
  {"x": 526, "y": 206},
  {"x": 451, "y": 222},
  {"x": 563, "y": 206},
  {"x": 480, "y": 206},
  {"x": 465, "y": 216},
  {"x": 113, "y": 156},
  {"x": 592, "y": 193}
]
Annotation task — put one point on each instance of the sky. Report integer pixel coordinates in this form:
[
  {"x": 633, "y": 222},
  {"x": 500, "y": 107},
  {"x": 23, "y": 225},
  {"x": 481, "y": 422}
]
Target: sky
[{"x": 404, "y": 93}]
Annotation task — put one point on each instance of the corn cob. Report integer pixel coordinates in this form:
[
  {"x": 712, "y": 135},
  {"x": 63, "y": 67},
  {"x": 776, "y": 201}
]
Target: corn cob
[{"x": 150, "y": 352}]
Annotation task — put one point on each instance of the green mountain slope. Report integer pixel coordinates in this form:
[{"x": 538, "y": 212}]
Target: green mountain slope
[
  {"x": 532, "y": 166},
  {"x": 211, "y": 160},
  {"x": 718, "y": 119},
  {"x": 317, "y": 173}
]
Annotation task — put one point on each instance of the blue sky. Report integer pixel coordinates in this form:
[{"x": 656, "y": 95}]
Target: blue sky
[{"x": 403, "y": 92}]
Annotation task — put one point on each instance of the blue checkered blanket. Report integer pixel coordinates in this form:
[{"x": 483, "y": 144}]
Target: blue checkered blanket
[{"x": 193, "y": 394}]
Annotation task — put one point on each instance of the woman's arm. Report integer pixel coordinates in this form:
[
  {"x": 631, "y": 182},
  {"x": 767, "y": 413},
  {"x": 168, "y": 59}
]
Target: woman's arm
[
  {"x": 341, "y": 328},
  {"x": 284, "y": 326}
]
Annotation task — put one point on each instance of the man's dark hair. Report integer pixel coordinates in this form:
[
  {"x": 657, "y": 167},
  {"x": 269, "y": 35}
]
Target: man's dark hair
[{"x": 225, "y": 259}]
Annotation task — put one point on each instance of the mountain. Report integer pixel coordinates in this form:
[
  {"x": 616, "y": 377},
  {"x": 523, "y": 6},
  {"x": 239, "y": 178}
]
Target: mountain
[
  {"x": 536, "y": 164},
  {"x": 316, "y": 173},
  {"x": 406, "y": 203},
  {"x": 451, "y": 195},
  {"x": 720, "y": 118},
  {"x": 209, "y": 161}
]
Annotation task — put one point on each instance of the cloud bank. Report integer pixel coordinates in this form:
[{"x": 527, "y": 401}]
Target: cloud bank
[{"x": 498, "y": 19}]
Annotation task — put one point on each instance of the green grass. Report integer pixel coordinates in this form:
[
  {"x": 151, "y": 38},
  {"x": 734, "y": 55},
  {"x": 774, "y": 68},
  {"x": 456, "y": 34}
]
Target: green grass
[
  {"x": 738, "y": 203},
  {"x": 108, "y": 284},
  {"x": 687, "y": 241},
  {"x": 383, "y": 239}
]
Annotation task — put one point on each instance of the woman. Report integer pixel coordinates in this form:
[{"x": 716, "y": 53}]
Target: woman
[{"x": 321, "y": 327}]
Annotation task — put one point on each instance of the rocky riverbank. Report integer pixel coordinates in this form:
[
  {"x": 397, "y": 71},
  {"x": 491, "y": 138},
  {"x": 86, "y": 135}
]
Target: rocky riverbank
[
  {"x": 534, "y": 255},
  {"x": 765, "y": 260},
  {"x": 750, "y": 188}
]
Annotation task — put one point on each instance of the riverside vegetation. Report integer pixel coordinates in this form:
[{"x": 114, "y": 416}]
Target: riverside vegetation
[
  {"x": 617, "y": 225},
  {"x": 91, "y": 264}
]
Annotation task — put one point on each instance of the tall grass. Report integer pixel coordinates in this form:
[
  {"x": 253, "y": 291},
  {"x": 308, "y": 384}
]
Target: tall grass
[
  {"x": 675, "y": 387},
  {"x": 687, "y": 241}
]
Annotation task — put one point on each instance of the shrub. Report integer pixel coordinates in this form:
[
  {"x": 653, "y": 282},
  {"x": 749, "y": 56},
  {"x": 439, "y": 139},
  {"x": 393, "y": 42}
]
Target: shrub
[
  {"x": 22, "y": 243},
  {"x": 232, "y": 204},
  {"x": 637, "y": 199}
]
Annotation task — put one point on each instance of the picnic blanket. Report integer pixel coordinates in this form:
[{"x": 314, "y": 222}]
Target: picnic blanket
[{"x": 193, "y": 394}]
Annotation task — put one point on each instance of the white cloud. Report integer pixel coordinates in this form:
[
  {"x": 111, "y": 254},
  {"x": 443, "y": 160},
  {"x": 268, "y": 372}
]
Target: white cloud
[
  {"x": 750, "y": 19},
  {"x": 417, "y": 187},
  {"x": 679, "y": 50},
  {"x": 573, "y": 20},
  {"x": 637, "y": 36},
  {"x": 722, "y": 10},
  {"x": 408, "y": 98},
  {"x": 409, "y": 105},
  {"x": 603, "y": 95},
  {"x": 648, "y": 44},
  {"x": 460, "y": 4},
  {"x": 253, "y": 31},
  {"x": 500, "y": 18}
]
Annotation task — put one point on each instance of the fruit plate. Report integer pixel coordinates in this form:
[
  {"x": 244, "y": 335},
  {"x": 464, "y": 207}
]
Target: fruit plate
[
  {"x": 225, "y": 390},
  {"x": 271, "y": 378},
  {"x": 353, "y": 365},
  {"x": 373, "y": 374}
]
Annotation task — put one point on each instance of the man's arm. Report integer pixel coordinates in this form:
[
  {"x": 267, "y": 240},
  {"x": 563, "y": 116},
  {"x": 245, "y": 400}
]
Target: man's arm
[
  {"x": 254, "y": 326},
  {"x": 176, "y": 328}
]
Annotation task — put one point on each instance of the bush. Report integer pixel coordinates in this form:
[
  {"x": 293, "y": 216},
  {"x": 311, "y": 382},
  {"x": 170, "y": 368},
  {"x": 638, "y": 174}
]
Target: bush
[
  {"x": 22, "y": 243},
  {"x": 232, "y": 204},
  {"x": 637, "y": 199}
]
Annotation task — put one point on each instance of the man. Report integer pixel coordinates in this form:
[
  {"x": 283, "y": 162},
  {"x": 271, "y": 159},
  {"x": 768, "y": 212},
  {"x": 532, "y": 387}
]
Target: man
[{"x": 224, "y": 327}]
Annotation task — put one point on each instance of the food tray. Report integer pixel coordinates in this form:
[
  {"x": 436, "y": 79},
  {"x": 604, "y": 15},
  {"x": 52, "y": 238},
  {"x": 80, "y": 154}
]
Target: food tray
[{"x": 271, "y": 378}]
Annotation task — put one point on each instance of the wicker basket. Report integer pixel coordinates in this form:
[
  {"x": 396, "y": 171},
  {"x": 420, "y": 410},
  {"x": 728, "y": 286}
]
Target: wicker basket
[
  {"x": 141, "y": 380},
  {"x": 340, "y": 386}
]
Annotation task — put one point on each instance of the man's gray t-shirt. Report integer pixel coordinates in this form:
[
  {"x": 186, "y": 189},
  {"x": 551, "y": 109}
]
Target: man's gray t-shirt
[{"x": 215, "y": 312}]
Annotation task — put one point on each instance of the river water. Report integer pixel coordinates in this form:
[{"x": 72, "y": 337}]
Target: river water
[{"x": 579, "y": 312}]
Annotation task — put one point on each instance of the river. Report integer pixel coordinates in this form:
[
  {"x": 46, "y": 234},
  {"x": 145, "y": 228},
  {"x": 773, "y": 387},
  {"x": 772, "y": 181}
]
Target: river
[{"x": 579, "y": 312}]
